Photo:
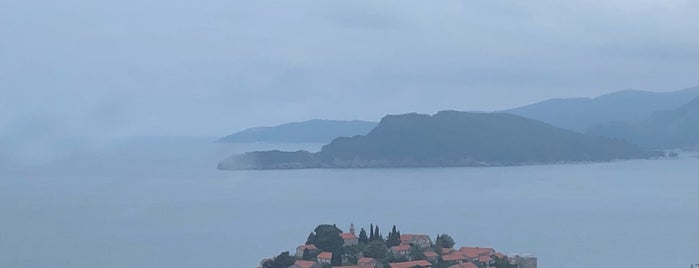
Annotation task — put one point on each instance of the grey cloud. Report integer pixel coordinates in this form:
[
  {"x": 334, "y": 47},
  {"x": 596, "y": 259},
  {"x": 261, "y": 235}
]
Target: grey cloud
[{"x": 211, "y": 67}]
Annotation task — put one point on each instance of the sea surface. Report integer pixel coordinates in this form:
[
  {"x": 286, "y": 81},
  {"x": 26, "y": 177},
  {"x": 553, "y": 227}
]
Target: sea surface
[{"x": 160, "y": 202}]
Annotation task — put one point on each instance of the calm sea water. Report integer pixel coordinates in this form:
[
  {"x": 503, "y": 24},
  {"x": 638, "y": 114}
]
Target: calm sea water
[{"x": 161, "y": 203}]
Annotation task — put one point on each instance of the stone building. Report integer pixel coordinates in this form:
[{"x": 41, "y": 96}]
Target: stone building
[{"x": 523, "y": 261}]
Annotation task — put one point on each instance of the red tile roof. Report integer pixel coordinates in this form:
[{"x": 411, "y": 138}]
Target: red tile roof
[
  {"x": 410, "y": 264},
  {"x": 365, "y": 260},
  {"x": 347, "y": 236},
  {"x": 456, "y": 256},
  {"x": 469, "y": 265},
  {"x": 305, "y": 264},
  {"x": 430, "y": 254},
  {"x": 475, "y": 252},
  {"x": 446, "y": 251},
  {"x": 325, "y": 255},
  {"x": 401, "y": 248},
  {"x": 485, "y": 259},
  {"x": 408, "y": 237},
  {"x": 464, "y": 265}
]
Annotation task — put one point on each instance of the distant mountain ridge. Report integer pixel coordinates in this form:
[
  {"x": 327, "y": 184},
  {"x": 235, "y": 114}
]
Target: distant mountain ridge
[
  {"x": 448, "y": 138},
  {"x": 671, "y": 129},
  {"x": 579, "y": 114},
  {"x": 315, "y": 130}
]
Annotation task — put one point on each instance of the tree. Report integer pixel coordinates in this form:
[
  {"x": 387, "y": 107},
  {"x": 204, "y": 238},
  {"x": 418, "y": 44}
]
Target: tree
[
  {"x": 337, "y": 258},
  {"x": 350, "y": 254},
  {"x": 377, "y": 235},
  {"x": 393, "y": 238},
  {"x": 306, "y": 255},
  {"x": 311, "y": 239},
  {"x": 328, "y": 239},
  {"x": 376, "y": 250},
  {"x": 284, "y": 260},
  {"x": 371, "y": 232},
  {"x": 391, "y": 259},
  {"x": 363, "y": 239},
  {"x": 503, "y": 263},
  {"x": 309, "y": 255},
  {"x": 444, "y": 241},
  {"x": 417, "y": 253}
]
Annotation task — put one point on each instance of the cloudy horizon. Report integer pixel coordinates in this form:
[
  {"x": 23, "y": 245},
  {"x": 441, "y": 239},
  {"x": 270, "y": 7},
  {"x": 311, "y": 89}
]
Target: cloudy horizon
[{"x": 180, "y": 68}]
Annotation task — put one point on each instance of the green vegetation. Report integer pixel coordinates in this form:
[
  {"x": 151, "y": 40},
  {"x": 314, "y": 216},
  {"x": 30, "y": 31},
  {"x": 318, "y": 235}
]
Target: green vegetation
[
  {"x": 503, "y": 263},
  {"x": 416, "y": 253},
  {"x": 579, "y": 114},
  {"x": 451, "y": 138},
  {"x": 393, "y": 238},
  {"x": 376, "y": 249},
  {"x": 284, "y": 260},
  {"x": 328, "y": 238},
  {"x": 672, "y": 129},
  {"x": 459, "y": 138},
  {"x": 444, "y": 241},
  {"x": 363, "y": 239}
]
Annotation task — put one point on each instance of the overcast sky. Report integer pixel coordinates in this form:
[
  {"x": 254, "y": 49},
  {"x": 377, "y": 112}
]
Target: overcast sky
[{"x": 211, "y": 67}]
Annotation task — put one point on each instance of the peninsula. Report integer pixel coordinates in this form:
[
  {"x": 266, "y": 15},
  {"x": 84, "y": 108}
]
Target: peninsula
[{"x": 449, "y": 138}]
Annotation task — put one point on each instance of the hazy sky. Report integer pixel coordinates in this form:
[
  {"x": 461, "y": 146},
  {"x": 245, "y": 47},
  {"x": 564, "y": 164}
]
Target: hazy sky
[{"x": 157, "y": 67}]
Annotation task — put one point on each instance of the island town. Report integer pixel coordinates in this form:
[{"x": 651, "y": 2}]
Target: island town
[{"x": 329, "y": 247}]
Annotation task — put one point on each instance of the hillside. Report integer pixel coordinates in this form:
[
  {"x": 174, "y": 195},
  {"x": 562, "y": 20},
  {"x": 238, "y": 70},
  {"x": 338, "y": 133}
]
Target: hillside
[
  {"x": 671, "y": 129},
  {"x": 624, "y": 106},
  {"x": 308, "y": 131},
  {"x": 449, "y": 138}
]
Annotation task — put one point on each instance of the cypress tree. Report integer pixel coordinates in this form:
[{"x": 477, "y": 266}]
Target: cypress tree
[
  {"x": 371, "y": 232},
  {"x": 393, "y": 238},
  {"x": 363, "y": 239},
  {"x": 377, "y": 236},
  {"x": 444, "y": 241}
]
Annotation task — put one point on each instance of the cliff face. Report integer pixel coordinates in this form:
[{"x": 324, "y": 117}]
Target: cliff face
[{"x": 451, "y": 138}]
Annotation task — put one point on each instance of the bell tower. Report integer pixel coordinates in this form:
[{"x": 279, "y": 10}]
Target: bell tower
[{"x": 352, "y": 228}]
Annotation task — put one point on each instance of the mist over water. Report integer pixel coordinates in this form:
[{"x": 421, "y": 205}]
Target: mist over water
[
  {"x": 77, "y": 75},
  {"x": 158, "y": 202}
]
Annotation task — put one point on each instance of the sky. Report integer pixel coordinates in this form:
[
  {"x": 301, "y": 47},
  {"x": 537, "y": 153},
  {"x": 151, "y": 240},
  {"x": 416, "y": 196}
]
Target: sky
[{"x": 213, "y": 67}]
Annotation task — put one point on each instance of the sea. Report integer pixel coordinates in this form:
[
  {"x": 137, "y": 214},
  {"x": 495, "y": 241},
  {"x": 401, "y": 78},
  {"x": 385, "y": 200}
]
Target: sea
[{"x": 161, "y": 202}]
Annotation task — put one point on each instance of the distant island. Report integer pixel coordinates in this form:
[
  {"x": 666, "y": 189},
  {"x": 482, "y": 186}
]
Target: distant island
[
  {"x": 449, "y": 138},
  {"x": 328, "y": 246},
  {"x": 671, "y": 129},
  {"x": 311, "y": 131},
  {"x": 580, "y": 114}
]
